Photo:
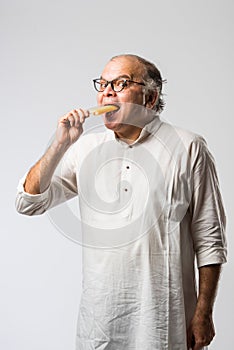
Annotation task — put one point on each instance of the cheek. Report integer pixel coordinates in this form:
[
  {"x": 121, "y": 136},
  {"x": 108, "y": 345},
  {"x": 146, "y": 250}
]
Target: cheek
[{"x": 134, "y": 98}]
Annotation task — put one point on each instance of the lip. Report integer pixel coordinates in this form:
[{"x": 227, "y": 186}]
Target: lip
[
  {"x": 112, "y": 104},
  {"x": 109, "y": 115},
  {"x": 109, "y": 102}
]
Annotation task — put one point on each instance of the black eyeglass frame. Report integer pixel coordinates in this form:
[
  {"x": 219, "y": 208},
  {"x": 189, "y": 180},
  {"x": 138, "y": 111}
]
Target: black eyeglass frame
[{"x": 111, "y": 82}]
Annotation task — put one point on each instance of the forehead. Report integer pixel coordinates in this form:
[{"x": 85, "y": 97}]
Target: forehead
[{"x": 122, "y": 66}]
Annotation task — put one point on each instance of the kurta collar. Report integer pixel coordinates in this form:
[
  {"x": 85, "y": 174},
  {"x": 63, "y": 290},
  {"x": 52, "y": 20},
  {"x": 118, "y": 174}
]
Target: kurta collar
[{"x": 149, "y": 128}]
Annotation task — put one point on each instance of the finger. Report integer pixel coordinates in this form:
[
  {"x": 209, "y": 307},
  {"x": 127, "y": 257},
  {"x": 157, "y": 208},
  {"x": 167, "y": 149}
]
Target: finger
[
  {"x": 198, "y": 345},
  {"x": 80, "y": 117},
  {"x": 192, "y": 342},
  {"x": 83, "y": 114},
  {"x": 76, "y": 118},
  {"x": 86, "y": 113},
  {"x": 71, "y": 119},
  {"x": 64, "y": 120}
]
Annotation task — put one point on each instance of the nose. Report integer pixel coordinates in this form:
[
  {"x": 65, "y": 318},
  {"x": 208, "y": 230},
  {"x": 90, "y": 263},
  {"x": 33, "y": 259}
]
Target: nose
[{"x": 109, "y": 91}]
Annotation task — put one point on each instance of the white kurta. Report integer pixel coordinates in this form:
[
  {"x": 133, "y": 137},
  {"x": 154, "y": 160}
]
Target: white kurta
[{"x": 147, "y": 210}]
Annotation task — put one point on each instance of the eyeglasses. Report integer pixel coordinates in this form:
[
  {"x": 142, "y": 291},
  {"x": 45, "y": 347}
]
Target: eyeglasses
[{"x": 116, "y": 84}]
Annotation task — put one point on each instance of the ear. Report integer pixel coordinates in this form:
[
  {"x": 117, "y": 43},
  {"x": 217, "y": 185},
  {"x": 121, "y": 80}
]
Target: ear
[{"x": 151, "y": 99}]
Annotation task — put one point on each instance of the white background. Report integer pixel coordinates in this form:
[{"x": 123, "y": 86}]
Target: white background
[{"x": 50, "y": 51}]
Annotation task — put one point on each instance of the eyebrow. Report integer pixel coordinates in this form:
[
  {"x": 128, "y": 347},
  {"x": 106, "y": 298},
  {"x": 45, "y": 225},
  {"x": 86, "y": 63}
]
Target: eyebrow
[{"x": 120, "y": 76}]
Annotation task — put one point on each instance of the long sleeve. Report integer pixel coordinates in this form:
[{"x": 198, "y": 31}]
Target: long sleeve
[
  {"x": 62, "y": 188},
  {"x": 208, "y": 216}
]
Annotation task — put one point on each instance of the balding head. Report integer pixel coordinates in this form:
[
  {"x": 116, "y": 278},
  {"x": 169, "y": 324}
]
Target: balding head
[{"x": 150, "y": 75}]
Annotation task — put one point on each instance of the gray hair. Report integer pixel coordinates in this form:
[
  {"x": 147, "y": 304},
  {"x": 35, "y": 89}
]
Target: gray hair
[{"x": 152, "y": 79}]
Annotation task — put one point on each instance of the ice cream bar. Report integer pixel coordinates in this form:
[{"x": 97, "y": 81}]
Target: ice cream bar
[{"x": 103, "y": 109}]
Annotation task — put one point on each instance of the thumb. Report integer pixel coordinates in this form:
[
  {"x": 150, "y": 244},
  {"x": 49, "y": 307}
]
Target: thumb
[{"x": 197, "y": 346}]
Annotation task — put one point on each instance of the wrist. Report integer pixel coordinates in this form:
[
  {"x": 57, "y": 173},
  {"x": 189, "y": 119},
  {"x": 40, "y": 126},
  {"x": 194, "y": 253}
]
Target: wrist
[
  {"x": 58, "y": 147},
  {"x": 203, "y": 308}
]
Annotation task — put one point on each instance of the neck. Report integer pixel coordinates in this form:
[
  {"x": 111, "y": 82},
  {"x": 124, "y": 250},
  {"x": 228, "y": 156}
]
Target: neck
[{"x": 129, "y": 136}]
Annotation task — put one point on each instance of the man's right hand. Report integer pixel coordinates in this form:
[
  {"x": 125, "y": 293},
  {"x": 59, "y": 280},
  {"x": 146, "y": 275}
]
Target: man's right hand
[{"x": 70, "y": 127}]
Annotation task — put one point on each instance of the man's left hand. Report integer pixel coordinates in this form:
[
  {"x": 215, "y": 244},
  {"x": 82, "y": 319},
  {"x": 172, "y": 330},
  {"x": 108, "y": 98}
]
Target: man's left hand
[{"x": 201, "y": 331}]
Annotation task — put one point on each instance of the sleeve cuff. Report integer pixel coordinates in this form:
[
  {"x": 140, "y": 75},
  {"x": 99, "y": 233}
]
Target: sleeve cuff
[
  {"x": 32, "y": 198},
  {"x": 212, "y": 257}
]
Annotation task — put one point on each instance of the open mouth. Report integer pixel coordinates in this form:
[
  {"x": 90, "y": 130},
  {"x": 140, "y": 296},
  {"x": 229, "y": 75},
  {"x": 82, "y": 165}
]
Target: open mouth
[
  {"x": 104, "y": 109},
  {"x": 112, "y": 109}
]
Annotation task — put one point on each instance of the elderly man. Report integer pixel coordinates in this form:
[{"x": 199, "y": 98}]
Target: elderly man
[{"x": 149, "y": 203}]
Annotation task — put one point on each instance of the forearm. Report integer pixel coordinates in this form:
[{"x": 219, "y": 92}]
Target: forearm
[
  {"x": 201, "y": 330},
  {"x": 39, "y": 176},
  {"x": 208, "y": 283}
]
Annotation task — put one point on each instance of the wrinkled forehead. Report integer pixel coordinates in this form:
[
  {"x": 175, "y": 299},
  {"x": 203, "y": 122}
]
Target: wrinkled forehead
[{"x": 123, "y": 66}]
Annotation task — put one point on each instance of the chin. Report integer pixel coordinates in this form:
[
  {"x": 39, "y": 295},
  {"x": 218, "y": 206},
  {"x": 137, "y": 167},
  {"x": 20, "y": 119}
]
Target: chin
[
  {"x": 111, "y": 121},
  {"x": 112, "y": 125}
]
